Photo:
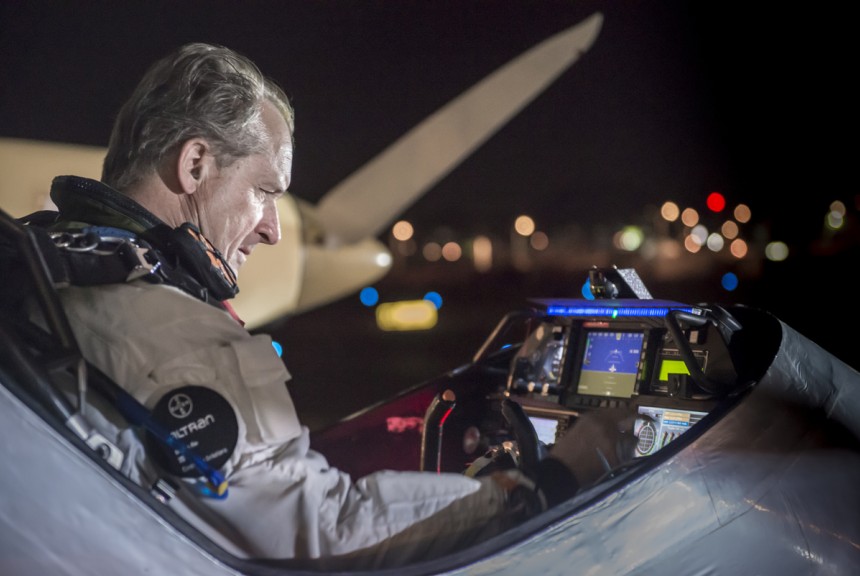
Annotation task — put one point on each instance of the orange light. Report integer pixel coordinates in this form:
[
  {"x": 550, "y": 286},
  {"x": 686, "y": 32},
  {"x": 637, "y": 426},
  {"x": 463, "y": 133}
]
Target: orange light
[{"x": 406, "y": 315}]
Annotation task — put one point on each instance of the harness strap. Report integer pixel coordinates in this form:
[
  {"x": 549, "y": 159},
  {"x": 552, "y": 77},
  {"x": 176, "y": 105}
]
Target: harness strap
[
  {"x": 104, "y": 256},
  {"x": 95, "y": 255}
]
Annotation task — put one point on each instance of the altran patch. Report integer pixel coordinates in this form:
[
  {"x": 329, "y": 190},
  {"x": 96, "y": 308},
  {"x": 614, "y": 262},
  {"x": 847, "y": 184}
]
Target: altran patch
[{"x": 200, "y": 418}]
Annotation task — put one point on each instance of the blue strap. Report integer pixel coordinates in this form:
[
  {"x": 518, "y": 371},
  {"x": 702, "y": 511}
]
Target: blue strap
[
  {"x": 110, "y": 231},
  {"x": 136, "y": 413}
]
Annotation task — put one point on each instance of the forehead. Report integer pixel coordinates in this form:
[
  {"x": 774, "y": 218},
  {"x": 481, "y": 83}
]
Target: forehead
[
  {"x": 271, "y": 167},
  {"x": 278, "y": 134},
  {"x": 276, "y": 126}
]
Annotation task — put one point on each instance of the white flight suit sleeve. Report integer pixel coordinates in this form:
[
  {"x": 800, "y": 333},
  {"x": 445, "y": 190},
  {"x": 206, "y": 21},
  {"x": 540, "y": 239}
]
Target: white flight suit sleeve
[{"x": 284, "y": 499}]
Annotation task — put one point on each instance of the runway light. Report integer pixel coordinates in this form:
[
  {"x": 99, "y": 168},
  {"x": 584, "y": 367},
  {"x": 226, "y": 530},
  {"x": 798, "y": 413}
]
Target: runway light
[
  {"x": 432, "y": 252},
  {"x": 742, "y": 213},
  {"x": 834, "y": 220},
  {"x": 383, "y": 259},
  {"x": 451, "y": 251},
  {"x": 368, "y": 296},
  {"x": 699, "y": 234},
  {"x": 776, "y": 251},
  {"x": 524, "y": 225},
  {"x": 690, "y": 217},
  {"x": 715, "y": 242},
  {"x": 406, "y": 315},
  {"x": 729, "y": 229},
  {"x": 482, "y": 253},
  {"x": 738, "y": 248},
  {"x": 402, "y": 230},
  {"x": 691, "y": 244},
  {"x": 629, "y": 238},
  {"x": 838, "y": 206},
  {"x": 435, "y": 298},
  {"x": 716, "y": 202},
  {"x": 539, "y": 241},
  {"x": 729, "y": 281},
  {"x": 670, "y": 211}
]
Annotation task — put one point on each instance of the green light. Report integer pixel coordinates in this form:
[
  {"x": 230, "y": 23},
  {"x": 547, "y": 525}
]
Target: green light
[{"x": 669, "y": 367}]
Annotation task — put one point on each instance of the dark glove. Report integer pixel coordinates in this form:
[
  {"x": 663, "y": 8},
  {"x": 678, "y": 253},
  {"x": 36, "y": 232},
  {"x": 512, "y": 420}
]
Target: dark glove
[{"x": 599, "y": 441}]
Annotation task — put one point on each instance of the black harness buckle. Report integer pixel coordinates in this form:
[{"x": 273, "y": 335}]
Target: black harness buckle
[{"x": 135, "y": 258}]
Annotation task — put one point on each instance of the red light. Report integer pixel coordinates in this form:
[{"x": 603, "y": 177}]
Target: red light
[{"x": 716, "y": 202}]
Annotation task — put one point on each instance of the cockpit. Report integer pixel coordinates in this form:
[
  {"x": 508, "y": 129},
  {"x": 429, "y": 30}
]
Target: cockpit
[
  {"x": 542, "y": 367},
  {"x": 712, "y": 399}
]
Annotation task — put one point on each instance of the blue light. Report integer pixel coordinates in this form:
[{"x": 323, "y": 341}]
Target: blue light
[
  {"x": 586, "y": 290},
  {"x": 278, "y": 348},
  {"x": 615, "y": 311},
  {"x": 369, "y": 296},
  {"x": 729, "y": 281},
  {"x": 435, "y": 298}
]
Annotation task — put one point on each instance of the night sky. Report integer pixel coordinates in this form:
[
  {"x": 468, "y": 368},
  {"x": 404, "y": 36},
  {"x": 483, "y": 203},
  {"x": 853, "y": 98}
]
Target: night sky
[{"x": 674, "y": 100}]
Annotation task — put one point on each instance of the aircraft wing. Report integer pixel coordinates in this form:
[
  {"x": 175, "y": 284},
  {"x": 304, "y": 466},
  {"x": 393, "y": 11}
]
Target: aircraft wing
[{"x": 330, "y": 250}]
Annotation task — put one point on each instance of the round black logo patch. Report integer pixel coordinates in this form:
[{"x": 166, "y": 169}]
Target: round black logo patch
[{"x": 200, "y": 418}]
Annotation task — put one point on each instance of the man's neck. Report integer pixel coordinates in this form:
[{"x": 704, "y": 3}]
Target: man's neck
[{"x": 154, "y": 195}]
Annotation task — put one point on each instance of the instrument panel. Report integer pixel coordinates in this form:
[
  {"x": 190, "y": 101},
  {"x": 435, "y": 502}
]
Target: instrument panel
[{"x": 582, "y": 355}]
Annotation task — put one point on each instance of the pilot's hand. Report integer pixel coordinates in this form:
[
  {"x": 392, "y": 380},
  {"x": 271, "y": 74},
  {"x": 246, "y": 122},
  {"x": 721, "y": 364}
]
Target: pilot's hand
[{"x": 599, "y": 441}]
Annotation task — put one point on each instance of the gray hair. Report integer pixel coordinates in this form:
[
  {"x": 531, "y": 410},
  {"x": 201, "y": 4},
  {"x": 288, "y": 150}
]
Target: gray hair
[{"x": 199, "y": 91}]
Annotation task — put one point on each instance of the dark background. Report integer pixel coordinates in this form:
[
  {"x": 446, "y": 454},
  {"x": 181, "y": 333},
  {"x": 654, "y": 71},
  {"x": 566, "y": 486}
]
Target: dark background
[{"x": 674, "y": 100}]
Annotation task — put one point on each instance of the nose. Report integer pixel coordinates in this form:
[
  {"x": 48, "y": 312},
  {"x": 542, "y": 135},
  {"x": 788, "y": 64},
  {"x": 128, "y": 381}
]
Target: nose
[{"x": 269, "y": 227}]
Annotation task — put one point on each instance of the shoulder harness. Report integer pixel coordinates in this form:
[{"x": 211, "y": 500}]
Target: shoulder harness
[{"x": 86, "y": 255}]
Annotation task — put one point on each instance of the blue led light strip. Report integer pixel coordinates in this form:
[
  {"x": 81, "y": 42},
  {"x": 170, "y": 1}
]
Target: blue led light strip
[{"x": 617, "y": 311}]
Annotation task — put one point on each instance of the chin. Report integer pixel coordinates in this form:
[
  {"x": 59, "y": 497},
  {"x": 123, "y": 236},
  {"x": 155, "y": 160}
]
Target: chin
[{"x": 236, "y": 262}]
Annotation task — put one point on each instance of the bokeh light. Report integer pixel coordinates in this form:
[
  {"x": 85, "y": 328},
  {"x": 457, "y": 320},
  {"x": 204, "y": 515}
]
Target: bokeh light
[
  {"x": 834, "y": 220},
  {"x": 690, "y": 217},
  {"x": 776, "y": 251},
  {"x": 699, "y": 235},
  {"x": 716, "y": 202},
  {"x": 435, "y": 298},
  {"x": 432, "y": 252},
  {"x": 383, "y": 259},
  {"x": 742, "y": 213},
  {"x": 730, "y": 229},
  {"x": 670, "y": 211},
  {"x": 482, "y": 253},
  {"x": 402, "y": 230},
  {"x": 406, "y": 315},
  {"x": 738, "y": 248},
  {"x": 715, "y": 242},
  {"x": 524, "y": 225},
  {"x": 838, "y": 206},
  {"x": 451, "y": 251},
  {"x": 691, "y": 245},
  {"x": 729, "y": 281},
  {"x": 539, "y": 240},
  {"x": 369, "y": 296},
  {"x": 629, "y": 238}
]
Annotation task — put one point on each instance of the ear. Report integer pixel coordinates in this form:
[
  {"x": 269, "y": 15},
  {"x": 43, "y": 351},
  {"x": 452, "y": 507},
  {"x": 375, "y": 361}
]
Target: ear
[{"x": 192, "y": 164}]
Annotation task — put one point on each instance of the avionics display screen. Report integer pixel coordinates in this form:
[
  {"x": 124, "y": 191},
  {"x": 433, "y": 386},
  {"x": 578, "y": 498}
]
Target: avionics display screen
[{"x": 610, "y": 363}]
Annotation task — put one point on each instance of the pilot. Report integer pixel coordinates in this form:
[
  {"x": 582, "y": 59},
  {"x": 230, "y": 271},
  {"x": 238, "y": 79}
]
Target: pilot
[{"x": 198, "y": 157}]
